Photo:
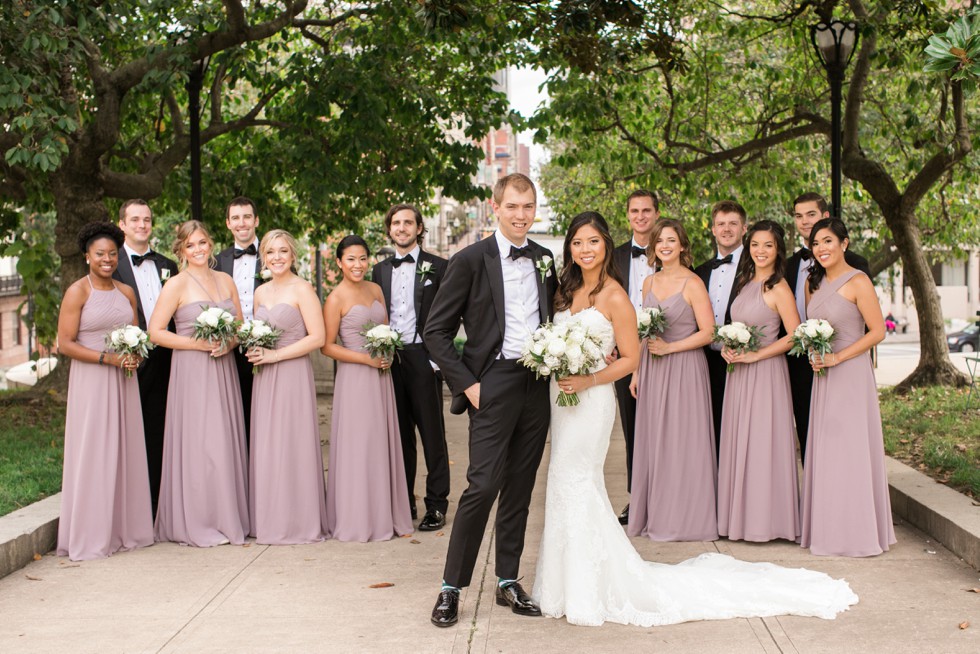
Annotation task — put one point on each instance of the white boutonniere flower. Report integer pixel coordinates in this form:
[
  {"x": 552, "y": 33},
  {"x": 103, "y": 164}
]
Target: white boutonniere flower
[
  {"x": 544, "y": 267},
  {"x": 265, "y": 275},
  {"x": 424, "y": 268},
  {"x": 164, "y": 275}
]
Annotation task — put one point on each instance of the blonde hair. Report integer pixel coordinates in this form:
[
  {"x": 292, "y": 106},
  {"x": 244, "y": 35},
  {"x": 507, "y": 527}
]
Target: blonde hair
[
  {"x": 286, "y": 237},
  {"x": 183, "y": 233},
  {"x": 521, "y": 184}
]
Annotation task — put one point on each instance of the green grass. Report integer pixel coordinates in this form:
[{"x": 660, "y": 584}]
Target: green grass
[
  {"x": 32, "y": 439},
  {"x": 929, "y": 430}
]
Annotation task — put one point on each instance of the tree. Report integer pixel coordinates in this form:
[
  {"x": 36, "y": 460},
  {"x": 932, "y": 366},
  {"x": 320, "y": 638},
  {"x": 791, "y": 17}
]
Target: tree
[{"x": 728, "y": 100}]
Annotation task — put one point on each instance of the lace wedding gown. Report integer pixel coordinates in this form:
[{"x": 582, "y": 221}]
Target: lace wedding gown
[{"x": 589, "y": 572}]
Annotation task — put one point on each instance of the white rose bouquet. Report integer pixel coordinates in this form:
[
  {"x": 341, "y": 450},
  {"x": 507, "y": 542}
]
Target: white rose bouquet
[
  {"x": 257, "y": 333},
  {"x": 215, "y": 324},
  {"x": 382, "y": 342},
  {"x": 813, "y": 336},
  {"x": 651, "y": 322},
  {"x": 127, "y": 340},
  {"x": 739, "y": 337},
  {"x": 562, "y": 350}
]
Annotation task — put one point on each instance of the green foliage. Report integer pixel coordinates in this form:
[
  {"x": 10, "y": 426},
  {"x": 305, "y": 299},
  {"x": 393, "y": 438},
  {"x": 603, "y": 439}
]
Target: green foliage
[
  {"x": 36, "y": 263},
  {"x": 958, "y": 51}
]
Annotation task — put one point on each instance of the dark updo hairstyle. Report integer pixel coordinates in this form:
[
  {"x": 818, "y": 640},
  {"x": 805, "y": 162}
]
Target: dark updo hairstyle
[
  {"x": 92, "y": 232},
  {"x": 746, "y": 264},
  {"x": 571, "y": 279},
  {"x": 682, "y": 240},
  {"x": 350, "y": 241},
  {"x": 817, "y": 271}
]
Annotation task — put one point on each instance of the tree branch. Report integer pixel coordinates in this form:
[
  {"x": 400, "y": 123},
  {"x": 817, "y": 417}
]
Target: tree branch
[{"x": 336, "y": 20}]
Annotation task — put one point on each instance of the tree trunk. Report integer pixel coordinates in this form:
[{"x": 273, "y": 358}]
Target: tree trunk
[{"x": 935, "y": 367}]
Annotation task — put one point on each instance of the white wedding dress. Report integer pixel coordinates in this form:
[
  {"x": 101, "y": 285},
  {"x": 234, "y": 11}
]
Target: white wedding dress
[{"x": 589, "y": 572}]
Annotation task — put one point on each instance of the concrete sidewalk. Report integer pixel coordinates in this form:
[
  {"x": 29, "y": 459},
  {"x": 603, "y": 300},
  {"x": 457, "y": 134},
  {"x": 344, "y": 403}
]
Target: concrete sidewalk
[{"x": 318, "y": 598}]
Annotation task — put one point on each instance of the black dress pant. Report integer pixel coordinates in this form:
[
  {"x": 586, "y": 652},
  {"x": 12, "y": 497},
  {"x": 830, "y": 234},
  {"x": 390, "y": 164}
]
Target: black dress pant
[
  {"x": 627, "y": 416},
  {"x": 245, "y": 377},
  {"x": 507, "y": 437},
  {"x": 418, "y": 398},
  {"x": 717, "y": 374},
  {"x": 800, "y": 385},
  {"x": 153, "y": 376}
]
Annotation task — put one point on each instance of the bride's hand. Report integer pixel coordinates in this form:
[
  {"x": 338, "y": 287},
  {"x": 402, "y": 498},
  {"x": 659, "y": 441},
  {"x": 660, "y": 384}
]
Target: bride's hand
[{"x": 576, "y": 383}]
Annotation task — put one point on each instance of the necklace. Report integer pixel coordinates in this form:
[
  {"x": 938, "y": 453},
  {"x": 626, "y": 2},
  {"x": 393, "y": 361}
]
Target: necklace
[{"x": 98, "y": 286}]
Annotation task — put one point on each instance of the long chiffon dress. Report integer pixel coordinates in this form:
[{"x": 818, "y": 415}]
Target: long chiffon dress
[
  {"x": 287, "y": 501},
  {"x": 758, "y": 496},
  {"x": 203, "y": 493},
  {"x": 674, "y": 476},
  {"x": 105, "y": 489},
  {"x": 366, "y": 498},
  {"x": 588, "y": 570},
  {"x": 846, "y": 507}
]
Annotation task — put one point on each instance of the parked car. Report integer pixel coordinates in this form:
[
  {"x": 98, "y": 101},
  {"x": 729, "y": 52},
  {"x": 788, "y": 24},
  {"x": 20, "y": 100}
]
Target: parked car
[{"x": 965, "y": 340}]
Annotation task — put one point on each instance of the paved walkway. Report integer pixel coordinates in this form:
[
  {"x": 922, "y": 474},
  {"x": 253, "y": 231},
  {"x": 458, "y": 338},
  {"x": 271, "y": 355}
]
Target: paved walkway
[{"x": 318, "y": 598}]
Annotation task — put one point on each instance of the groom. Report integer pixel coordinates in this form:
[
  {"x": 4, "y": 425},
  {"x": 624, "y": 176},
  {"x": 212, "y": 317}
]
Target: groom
[{"x": 501, "y": 288}]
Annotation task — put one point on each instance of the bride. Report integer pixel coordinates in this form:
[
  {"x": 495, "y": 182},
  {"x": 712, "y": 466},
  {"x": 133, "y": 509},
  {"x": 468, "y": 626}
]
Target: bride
[{"x": 588, "y": 571}]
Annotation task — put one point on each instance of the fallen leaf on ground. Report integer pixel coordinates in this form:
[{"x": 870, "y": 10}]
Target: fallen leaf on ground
[
  {"x": 33, "y": 578},
  {"x": 961, "y": 447},
  {"x": 964, "y": 624},
  {"x": 972, "y": 590},
  {"x": 246, "y": 544},
  {"x": 405, "y": 536},
  {"x": 904, "y": 441},
  {"x": 37, "y": 557},
  {"x": 415, "y": 542},
  {"x": 383, "y": 584}
]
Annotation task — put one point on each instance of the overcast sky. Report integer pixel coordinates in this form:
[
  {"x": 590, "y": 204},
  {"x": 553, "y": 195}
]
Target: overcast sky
[{"x": 525, "y": 99}]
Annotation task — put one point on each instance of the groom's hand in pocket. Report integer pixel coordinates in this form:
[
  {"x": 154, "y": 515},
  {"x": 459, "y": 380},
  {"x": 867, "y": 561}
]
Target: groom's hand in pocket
[{"x": 473, "y": 395}]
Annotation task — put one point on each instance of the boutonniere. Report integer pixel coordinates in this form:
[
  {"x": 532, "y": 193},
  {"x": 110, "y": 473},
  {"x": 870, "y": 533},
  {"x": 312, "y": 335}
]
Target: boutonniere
[
  {"x": 264, "y": 275},
  {"x": 544, "y": 267},
  {"x": 424, "y": 268},
  {"x": 164, "y": 275}
]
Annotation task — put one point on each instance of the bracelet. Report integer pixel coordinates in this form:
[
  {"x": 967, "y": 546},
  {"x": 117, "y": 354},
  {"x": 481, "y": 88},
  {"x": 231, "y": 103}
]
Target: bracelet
[{"x": 101, "y": 358}]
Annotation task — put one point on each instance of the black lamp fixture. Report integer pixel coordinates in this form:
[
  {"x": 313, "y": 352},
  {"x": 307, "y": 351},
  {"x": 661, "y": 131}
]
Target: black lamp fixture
[
  {"x": 195, "y": 81},
  {"x": 835, "y": 43}
]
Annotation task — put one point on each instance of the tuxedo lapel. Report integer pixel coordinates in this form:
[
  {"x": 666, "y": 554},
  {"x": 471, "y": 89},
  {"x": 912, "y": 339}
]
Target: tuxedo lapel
[
  {"x": 417, "y": 295},
  {"x": 495, "y": 277},
  {"x": 384, "y": 281},
  {"x": 544, "y": 314},
  {"x": 258, "y": 281},
  {"x": 622, "y": 258},
  {"x": 124, "y": 272}
]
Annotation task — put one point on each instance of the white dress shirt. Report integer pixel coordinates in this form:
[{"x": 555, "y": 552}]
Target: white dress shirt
[
  {"x": 244, "y": 276},
  {"x": 147, "y": 281},
  {"x": 801, "y": 279},
  {"x": 720, "y": 289},
  {"x": 639, "y": 271},
  {"x": 403, "y": 317},
  {"x": 521, "y": 314}
]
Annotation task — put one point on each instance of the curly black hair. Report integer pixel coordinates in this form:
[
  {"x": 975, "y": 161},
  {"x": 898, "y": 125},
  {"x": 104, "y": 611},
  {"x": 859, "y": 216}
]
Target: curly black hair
[{"x": 94, "y": 231}]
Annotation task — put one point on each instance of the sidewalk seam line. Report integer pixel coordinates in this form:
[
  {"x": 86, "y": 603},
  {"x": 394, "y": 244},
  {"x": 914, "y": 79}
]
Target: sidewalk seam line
[{"x": 479, "y": 595}]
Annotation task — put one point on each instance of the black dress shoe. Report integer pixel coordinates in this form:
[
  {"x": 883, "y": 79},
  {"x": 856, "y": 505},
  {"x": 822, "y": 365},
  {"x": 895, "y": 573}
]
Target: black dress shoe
[
  {"x": 415, "y": 513},
  {"x": 624, "y": 517},
  {"x": 513, "y": 595},
  {"x": 432, "y": 520},
  {"x": 446, "y": 611}
]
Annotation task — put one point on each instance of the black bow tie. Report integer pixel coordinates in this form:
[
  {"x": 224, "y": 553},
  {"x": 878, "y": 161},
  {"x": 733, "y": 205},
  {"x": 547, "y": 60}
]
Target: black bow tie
[
  {"x": 138, "y": 259},
  {"x": 517, "y": 253},
  {"x": 714, "y": 263},
  {"x": 239, "y": 253},
  {"x": 408, "y": 258},
  {"x": 805, "y": 254},
  {"x": 637, "y": 251}
]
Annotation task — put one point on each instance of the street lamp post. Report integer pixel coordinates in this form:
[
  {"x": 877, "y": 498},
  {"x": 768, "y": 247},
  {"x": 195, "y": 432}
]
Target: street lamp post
[
  {"x": 835, "y": 43},
  {"x": 195, "y": 82}
]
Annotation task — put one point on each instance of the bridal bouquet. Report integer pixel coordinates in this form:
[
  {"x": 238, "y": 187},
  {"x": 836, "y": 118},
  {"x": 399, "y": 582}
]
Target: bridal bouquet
[
  {"x": 651, "y": 322},
  {"x": 813, "y": 336},
  {"x": 562, "y": 350},
  {"x": 129, "y": 339},
  {"x": 215, "y": 324},
  {"x": 739, "y": 337},
  {"x": 257, "y": 333},
  {"x": 382, "y": 341}
]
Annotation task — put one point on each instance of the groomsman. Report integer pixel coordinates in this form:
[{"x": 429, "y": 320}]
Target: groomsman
[
  {"x": 145, "y": 271},
  {"x": 409, "y": 281},
  {"x": 643, "y": 211},
  {"x": 243, "y": 263},
  {"x": 728, "y": 226},
  {"x": 808, "y": 209},
  {"x": 501, "y": 288}
]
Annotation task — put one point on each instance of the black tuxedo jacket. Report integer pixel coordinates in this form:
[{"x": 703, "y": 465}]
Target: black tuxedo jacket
[
  {"x": 704, "y": 272},
  {"x": 622, "y": 256},
  {"x": 226, "y": 264},
  {"x": 473, "y": 292},
  {"x": 425, "y": 289},
  {"x": 853, "y": 259},
  {"x": 124, "y": 273}
]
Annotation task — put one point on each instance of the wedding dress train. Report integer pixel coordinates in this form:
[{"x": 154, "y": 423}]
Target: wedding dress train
[{"x": 589, "y": 571}]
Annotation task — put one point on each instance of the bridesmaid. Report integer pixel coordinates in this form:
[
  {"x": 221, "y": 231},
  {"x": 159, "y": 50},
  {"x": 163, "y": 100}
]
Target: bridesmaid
[
  {"x": 366, "y": 498},
  {"x": 674, "y": 476},
  {"x": 203, "y": 500},
  {"x": 286, "y": 501},
  {"x": 105, "y": 495},
  {"x": 758, "y": 496},
  {"x": 846, "y": 508}
]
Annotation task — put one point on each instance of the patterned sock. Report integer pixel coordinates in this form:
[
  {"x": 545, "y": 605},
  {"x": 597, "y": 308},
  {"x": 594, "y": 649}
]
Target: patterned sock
[
  {"x": 503, "y": 583},
  {"x": 446, "y": 586}
]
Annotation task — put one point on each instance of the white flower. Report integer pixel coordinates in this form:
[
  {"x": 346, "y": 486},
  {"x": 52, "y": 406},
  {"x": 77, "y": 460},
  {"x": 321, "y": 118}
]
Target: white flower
[
  {"x": 574, "y": 352},
  {"x": 116, "y": 337},
  {"x": 537, "y": 349},
  {"x": 209, "y": 319},
  {"x": 743, "y": 335},
  {"x": 266, "y": 274},
  {"x": 544, "y": 371},
  {"x": 132, "y": 335},
  {"x": 164, "y": 274},
  {"x": 551, "y": 361},
  {"x": 810, "y": 329},
  {"x": 556, "y": 347},
  {"x": 824, "y": 329}
]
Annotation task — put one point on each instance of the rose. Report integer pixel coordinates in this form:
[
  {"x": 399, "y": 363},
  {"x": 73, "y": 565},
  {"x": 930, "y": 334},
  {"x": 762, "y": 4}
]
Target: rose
[
  {"x": 556, "y": 347},
  {"x": 131, "y": 335},
  {"x": 824, "y": 329},
  {"x": 209, "y": 319},
  {"x": 810, "y": 329},
  {"x": 165, "y": 274}
]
